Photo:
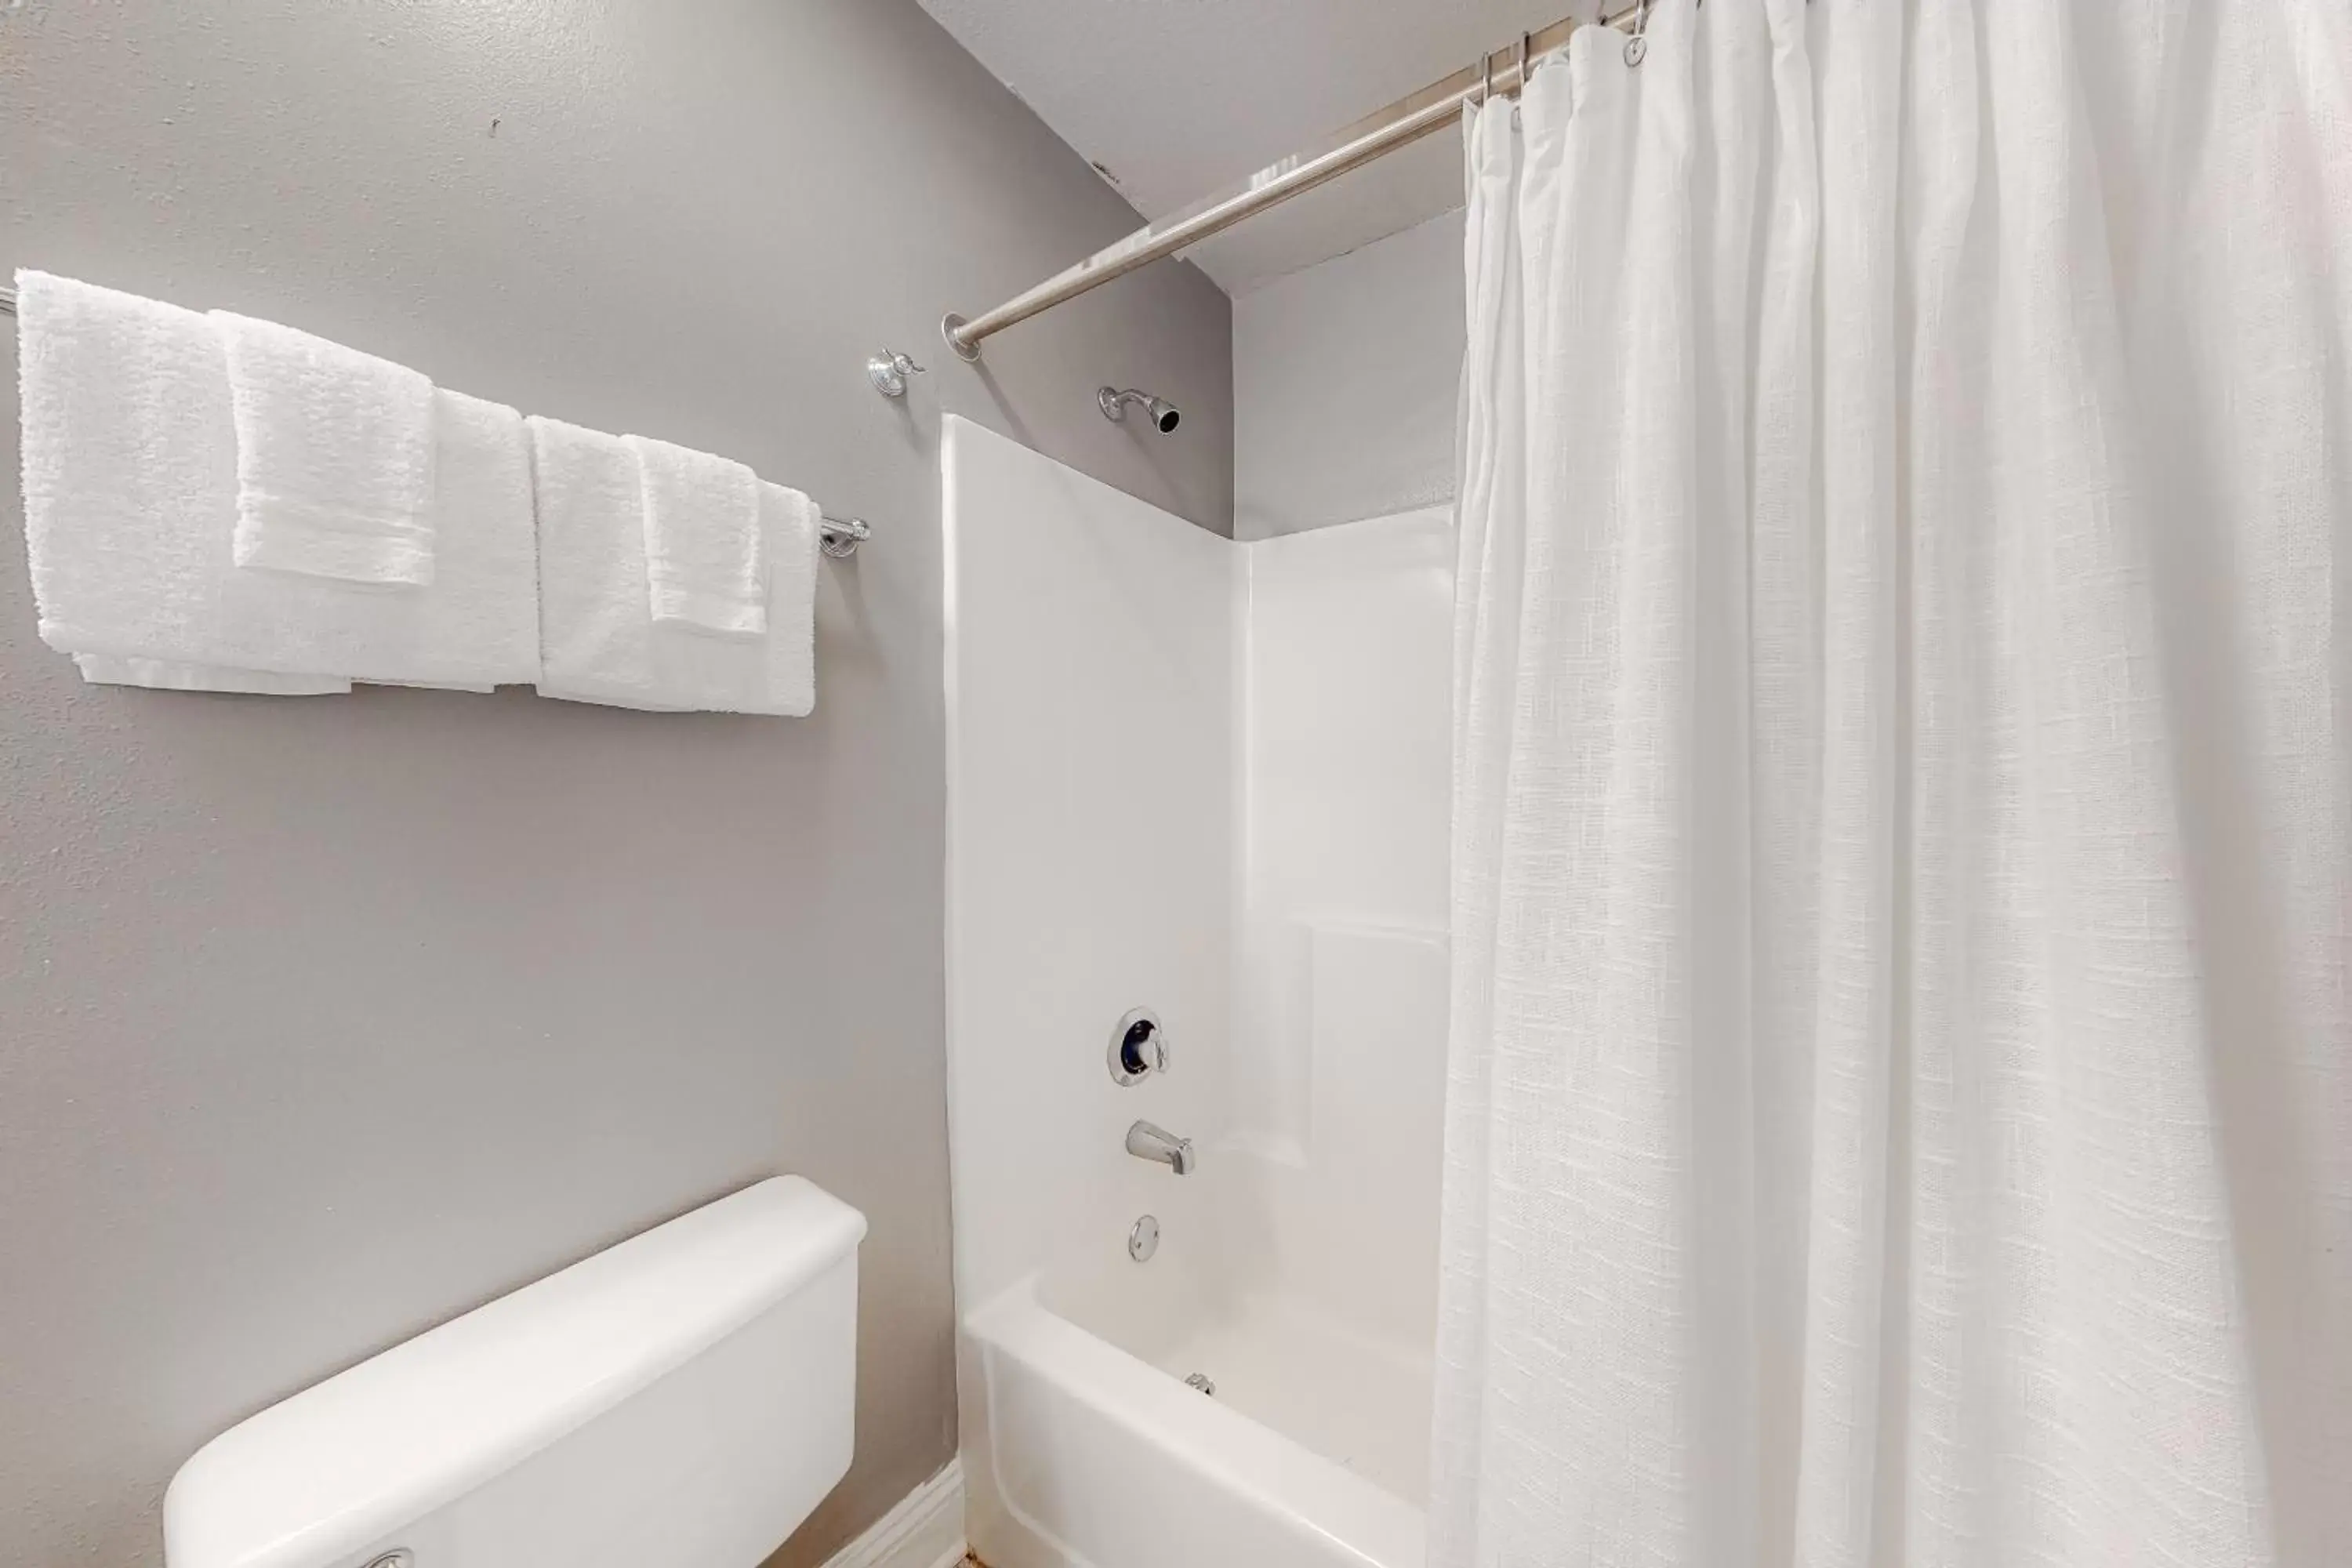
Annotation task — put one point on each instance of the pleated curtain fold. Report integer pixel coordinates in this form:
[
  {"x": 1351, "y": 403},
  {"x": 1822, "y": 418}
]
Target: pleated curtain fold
[{"x": 1900, "y": 1100}]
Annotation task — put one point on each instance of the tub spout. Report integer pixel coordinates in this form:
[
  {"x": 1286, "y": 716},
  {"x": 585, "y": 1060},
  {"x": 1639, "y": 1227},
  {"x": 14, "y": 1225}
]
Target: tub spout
[{"x": 1146, "y": 1141}]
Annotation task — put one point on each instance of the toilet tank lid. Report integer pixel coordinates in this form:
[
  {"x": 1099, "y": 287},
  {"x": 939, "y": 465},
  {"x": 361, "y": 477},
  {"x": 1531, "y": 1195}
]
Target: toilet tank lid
[{"x": 338, "y": 1466}]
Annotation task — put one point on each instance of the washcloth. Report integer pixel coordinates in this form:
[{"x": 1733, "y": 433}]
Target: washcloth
[
  {"x": 334, "y": 457},
  {"x": 701, "y": 540},
  {"x": 598, "y": 639},
  {"x": 475, "y": 627}
]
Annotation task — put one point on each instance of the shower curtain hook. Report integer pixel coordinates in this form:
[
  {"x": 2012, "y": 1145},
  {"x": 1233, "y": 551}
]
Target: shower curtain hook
[
  {"x": 1525, "y": 38},
  {"x": 1487, "y": 87},
  {"x": 1638, "y": 44}
]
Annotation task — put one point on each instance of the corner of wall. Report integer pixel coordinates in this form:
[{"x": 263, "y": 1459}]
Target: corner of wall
[{"x": 1344, "y": 382}]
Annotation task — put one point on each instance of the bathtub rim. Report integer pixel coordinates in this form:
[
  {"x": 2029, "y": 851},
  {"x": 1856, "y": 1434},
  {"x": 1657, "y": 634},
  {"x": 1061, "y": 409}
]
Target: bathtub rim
[{"x": 1267, "y": 1470}]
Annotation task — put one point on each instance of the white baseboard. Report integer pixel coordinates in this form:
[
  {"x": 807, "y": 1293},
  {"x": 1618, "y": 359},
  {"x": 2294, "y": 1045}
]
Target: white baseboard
[{"x": 925, "y": 1531}]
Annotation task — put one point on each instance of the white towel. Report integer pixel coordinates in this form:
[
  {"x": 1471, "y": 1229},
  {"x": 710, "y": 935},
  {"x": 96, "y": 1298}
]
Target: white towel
[
  {"x": 130, "y": 456},
  {"x": 166, "y": 675},
  {"x": 790, "y": 530},
  {"x": 334, "y": 457},
  {"x": 129, "y": 467},
  {"x": 702, "y": 539},
  {"x": 598, "y": 639}
]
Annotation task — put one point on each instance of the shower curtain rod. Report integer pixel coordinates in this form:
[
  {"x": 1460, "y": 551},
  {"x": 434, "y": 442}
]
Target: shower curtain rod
[{"x": 1401, "y": 124}]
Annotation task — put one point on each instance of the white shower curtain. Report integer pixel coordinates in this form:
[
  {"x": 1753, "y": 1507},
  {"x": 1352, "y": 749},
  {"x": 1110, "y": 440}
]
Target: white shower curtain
[{"x": 1901, "y": 1094}]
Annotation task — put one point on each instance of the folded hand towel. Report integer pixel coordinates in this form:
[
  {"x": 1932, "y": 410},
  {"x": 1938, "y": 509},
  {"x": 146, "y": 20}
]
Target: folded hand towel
[
  {"x": 334, "y": 457},
  {"x": 130, "y": 456},
  {"x": 702, "y": 539},
  {"x": 166, "y": 675},
  {"x": 599, "y": 642},
  {"x": 478, "y": 625},
  {"x": 791, "y": 524}
]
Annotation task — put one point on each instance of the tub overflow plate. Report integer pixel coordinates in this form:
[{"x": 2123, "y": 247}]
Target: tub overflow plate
[{"x": 1144, "y": 1239}]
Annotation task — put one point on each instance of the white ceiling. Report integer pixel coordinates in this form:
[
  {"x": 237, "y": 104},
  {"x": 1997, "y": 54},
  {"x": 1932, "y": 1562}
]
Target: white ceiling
[{"x": 1174, "y": 100}]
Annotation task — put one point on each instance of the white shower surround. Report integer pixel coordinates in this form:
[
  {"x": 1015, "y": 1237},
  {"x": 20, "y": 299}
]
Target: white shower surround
[{"x": 1209, "y": 778}]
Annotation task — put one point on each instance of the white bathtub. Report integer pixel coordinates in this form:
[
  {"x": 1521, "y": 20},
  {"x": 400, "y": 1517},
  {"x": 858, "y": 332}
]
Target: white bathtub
[{"x": 1090, "y": 1451}]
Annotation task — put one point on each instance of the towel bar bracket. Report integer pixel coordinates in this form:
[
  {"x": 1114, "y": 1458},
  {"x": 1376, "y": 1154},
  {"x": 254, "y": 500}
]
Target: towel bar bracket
[{"x": 839, "y": 537}]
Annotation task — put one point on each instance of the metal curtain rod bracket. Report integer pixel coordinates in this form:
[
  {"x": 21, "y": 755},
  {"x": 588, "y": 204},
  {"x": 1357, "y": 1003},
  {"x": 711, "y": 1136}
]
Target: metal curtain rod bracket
[{"x": 1500, "y": 73}]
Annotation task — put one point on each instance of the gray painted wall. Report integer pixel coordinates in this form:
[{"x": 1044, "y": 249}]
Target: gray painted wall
[
  {"x": 1344, "y": 382},
  {"x": 322, "y": 1021}
]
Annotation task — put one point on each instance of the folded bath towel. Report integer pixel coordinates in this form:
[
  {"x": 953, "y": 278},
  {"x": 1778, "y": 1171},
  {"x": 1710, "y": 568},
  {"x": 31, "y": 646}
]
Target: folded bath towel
[
  {"x": 701, "y": 540},
  {"x": 130, "y": 468},
  {"x": 599, "y": 642},
  {"x": 130, "y": 453},
  {"x": 334, "y": 457}
]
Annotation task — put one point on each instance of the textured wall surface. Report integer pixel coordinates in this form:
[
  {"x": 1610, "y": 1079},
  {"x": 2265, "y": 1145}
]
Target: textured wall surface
[
  {"x": 321, "y": 1021},
  {"x": 1344, "y": 381}
]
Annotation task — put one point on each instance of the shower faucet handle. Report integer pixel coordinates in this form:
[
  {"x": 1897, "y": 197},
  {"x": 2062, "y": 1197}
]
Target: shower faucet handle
[{"x": 1138, "y": 1048}]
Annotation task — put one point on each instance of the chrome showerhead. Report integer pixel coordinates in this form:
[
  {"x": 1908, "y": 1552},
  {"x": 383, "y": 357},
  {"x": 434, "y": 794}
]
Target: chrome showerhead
[{"x": 1113, "y": 402}]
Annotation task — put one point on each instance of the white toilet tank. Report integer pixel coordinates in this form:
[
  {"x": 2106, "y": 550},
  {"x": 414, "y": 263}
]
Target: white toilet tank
[{"x": 683, "y": 1399}]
